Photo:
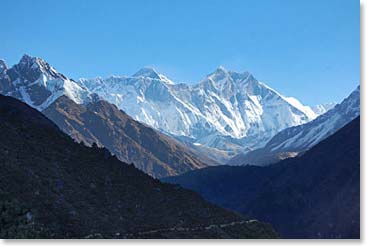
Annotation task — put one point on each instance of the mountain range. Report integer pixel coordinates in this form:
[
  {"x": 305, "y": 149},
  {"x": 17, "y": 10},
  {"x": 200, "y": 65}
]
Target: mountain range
[
  {"x": 227, "y": 112},
  {"x": 228, "y": 117},
  {"x": 52, "y": 187},
  {"x": 296, "y": 140},
  {"x": 316, "y": 195},
  {"x": 65, "y": 148},
  {"x": 87, "y": 117}
]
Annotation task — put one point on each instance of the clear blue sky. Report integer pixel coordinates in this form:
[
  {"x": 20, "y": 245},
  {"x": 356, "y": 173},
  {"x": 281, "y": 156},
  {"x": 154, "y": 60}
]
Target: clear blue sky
[{"x": 306, "y": 49}]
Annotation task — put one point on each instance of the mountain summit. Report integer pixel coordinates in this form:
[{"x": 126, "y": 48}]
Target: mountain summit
[
  {"x": 31, "y": 68},
  {"x": 149, "y": 72},
  {"x": 222, "y": 73},
  {"x": 38, "y": 84},
  {"x": 227, "y": 111}
]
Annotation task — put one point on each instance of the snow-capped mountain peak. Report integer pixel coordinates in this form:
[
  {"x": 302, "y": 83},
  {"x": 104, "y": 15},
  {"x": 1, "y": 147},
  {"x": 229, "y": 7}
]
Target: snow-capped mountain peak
[
  {"x": 221, "y": 74},
  {"x": 31, "y": 68},
  {"x": 227, "y": 110},
  {"x": 149, "y": 72},
  {"x": 225, "y": 82},
  {"x": 38, "y": 84},
  {"x": 33, "y": 63},
  {"x": 297, "y": 104}
]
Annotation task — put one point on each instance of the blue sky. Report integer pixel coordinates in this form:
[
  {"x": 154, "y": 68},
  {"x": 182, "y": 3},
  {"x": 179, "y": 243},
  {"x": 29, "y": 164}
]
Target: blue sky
[{"x": 306, "y": 49}]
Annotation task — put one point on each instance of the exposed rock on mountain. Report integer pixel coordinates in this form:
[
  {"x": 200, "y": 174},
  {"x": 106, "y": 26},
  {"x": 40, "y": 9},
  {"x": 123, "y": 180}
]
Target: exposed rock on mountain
[{"x": 38, "y": 84}]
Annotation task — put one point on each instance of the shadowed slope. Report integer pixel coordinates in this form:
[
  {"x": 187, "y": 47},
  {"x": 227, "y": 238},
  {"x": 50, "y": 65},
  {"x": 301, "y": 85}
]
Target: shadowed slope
[
  {"x": 52, "y": 187},
  {"x": 312, "y": 196}
]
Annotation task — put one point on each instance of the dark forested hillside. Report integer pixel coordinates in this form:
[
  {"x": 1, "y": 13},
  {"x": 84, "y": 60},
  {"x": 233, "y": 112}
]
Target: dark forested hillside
[
  {"x": 52, "y": 187},
  {"x": 316, "y": 195}
]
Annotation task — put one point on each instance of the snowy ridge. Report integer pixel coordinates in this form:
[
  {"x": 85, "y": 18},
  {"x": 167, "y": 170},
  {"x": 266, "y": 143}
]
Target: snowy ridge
[
  {"x": 323, "y": 108},
  {"x": 306, "y": 136},
  {"x": 297, "y": 104},
  {"x": 38, "y": 84},
  {"x": 297, "y": 139},
  {"x": 226, "y": 110},
  {"x": 148, "y": 72}
]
